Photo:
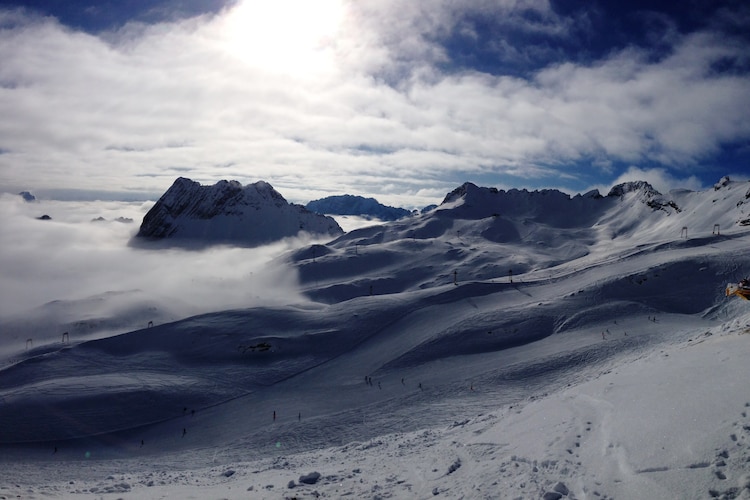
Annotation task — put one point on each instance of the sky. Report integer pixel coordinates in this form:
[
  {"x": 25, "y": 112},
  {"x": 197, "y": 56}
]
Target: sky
[{"x": 401, "y": 100}]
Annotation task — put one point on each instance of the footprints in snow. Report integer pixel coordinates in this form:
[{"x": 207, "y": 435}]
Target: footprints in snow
[
  {"x": 738, "y": 456},
  {"x": 732, "y": 458}
]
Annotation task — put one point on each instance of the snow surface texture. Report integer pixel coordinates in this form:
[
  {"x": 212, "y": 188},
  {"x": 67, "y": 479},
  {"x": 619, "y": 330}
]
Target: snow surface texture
[
  {"x": 227, "y": 212},
  {"x": 608, "y": 364}
]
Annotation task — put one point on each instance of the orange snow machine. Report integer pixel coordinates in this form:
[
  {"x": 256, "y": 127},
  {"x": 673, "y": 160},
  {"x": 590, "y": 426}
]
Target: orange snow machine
[{"x": 741, "y": 289}]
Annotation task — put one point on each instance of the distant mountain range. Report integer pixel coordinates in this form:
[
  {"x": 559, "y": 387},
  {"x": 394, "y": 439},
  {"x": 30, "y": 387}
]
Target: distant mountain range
[
  {"x": 518, "y": 232},
  {"x": 228, "y": 212},
  {"x": 347, "y": 204},
  {"x": 251, "y": 215}
]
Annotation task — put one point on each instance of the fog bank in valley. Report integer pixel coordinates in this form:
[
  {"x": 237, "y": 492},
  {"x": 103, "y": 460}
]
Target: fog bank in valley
[{"x": 77, "y": 269}]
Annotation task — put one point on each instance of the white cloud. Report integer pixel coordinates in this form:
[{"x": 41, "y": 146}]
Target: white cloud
[
  {"x": 659, "y": 178},
  {"x": 136, "y": 108},
  {"x": 73, "y": 258}
]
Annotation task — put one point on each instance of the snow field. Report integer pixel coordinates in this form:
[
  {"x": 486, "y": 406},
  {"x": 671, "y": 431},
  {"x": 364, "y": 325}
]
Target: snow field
[
  {"x": 612, "y": 366},
  {"x": 610, "y": 437}
]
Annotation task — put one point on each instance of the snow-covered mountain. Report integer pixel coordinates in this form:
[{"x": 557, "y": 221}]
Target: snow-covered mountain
[
  {"x": 348, "y": 204},
  {"x": 480, "y": 233},
  {"x": 227, "y": 212},
  {"x": 607, "y": 364}
]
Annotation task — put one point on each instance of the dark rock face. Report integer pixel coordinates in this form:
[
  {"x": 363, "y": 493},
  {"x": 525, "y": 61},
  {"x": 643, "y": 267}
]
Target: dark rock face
[
  {"x": 348, "y": 204},
  {"x": 27, "y": 196},
  {"x": 228, "y": 212},
  {"x": 629, "y": 187},
  {"x": 549, "y": 206},
  {"x": 650, "y": 196},
  {"x": 310, "y": 478}
]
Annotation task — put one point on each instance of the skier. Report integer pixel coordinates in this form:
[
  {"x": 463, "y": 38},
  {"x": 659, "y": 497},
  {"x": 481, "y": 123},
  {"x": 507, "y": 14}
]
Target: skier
[
  {"x": 184, "y": 431},
  {"x": 274, "y": 415}
]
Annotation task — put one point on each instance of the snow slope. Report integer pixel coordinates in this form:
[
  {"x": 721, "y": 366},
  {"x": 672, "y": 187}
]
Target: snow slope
[
  {"x": 484, "y": 234},
  {"x": 608, "y": 365}
]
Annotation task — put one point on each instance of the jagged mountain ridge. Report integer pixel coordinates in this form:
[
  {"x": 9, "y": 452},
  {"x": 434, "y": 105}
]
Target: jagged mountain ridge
[
  {"x": 347, "y": 204},
  {"x": 228, "y": 212},
  {"x": 531, "y": 230},
  {"x": 550, "y": 205}
]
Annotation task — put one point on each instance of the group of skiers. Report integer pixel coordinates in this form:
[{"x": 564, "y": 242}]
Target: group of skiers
[{"x": 368, "y": 381}]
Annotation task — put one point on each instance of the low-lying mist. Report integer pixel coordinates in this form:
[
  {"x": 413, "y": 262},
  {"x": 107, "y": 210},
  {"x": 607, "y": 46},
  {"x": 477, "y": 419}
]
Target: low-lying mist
[{"x": 76, "y": 270}]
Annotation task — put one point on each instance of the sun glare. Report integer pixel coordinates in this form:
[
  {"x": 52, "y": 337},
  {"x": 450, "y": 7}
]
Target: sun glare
[{"x": 291, "y": 36}]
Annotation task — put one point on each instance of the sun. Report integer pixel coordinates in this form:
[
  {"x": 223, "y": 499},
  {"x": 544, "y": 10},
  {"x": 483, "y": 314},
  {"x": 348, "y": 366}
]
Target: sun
[{"x": 291, "y": 36}]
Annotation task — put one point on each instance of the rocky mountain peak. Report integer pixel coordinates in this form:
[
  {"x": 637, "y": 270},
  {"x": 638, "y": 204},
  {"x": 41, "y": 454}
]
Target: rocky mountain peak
[
  {"x": 467, "y": 189},
  {"x": 228, "y": 212},
  {"x": 348, "y": 204},
  {"x": 27, "y": 196},
  {"x": 632, "y": 187},
  {"x": 650, "y": 196}
]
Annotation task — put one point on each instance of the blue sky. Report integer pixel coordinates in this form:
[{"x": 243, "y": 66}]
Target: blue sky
[{"x": 395, "y": 99}]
